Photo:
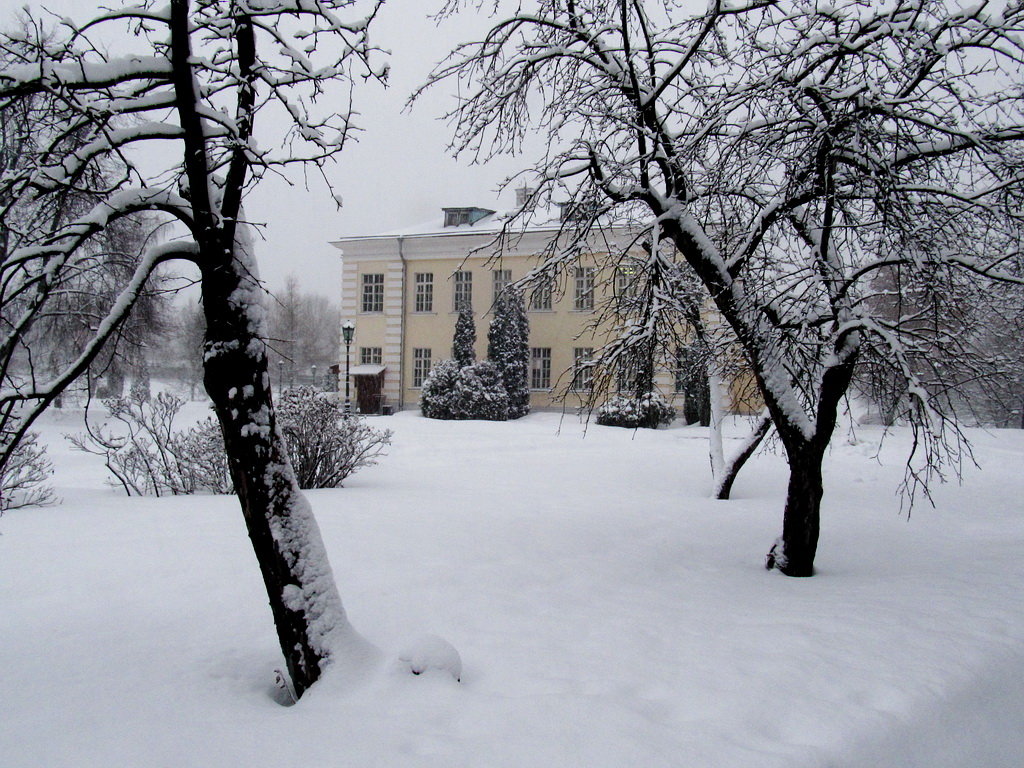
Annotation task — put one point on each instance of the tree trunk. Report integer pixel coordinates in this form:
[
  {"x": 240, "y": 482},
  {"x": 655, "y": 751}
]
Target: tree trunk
[
  {"x": 793, "y": 553},
  {"x": 716, "y": 389},
  {"x": 731, "y": 468},
  {"x": 307, "y": 609}
]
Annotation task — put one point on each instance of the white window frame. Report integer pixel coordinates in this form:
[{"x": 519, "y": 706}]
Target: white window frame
[
  {"x": 421, "y": 364},
  {"x": 462, "y": 289},
  {"x": 502, "y": 279},
  {"x": 582, "y": 376},
  {"x": 424, "y": 301},
  {"x": 371, "y": 355},
  {"x": 540, "y": 298},
  {"x": 372, "y": 297},
  {"x": 584, "y": 295},
  {"x": 540, "y": 368}
]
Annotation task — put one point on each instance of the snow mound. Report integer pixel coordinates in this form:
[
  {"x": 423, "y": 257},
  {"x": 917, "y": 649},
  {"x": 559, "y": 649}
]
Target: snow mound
[{"x": 430, "y": 652}]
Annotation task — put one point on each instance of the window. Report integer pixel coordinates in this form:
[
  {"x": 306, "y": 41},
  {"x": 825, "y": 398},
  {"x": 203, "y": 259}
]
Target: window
[
  {"x": 626, "y": 282},
  {"x": 373, "y": 293},
  {"x": 540, "y": 368},
  {"x": 584, "y": 288},
  {"x": 420, "y": 365},
  {"x": 502, "y": 280},
  {"x": 370, "y": 356},
  {"x": 463, "y": 289},
  {"x": 424, "y": 292},
  {"x": 682, "y": 370},
  {"x": 583, "y": 371},
  {"x": 456, "y": 217},
  {"x": 626, "y": 376},
  {"x": 540, "y": 299}
]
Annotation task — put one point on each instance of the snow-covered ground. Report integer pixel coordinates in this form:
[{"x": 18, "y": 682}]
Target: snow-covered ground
[{"x": 606, "y": 613}]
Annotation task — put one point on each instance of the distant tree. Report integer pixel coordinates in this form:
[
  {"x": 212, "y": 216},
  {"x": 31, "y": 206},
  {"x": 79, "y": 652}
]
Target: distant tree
[
  {"x": 464, "y": 343},
  {"x": 304, "y": 331},
  {"x": 508, "y": 347},
  {"x": 188, "y": 334}
]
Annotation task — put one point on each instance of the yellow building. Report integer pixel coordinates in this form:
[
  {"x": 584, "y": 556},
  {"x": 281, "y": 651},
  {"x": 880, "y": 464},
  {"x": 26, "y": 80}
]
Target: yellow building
[{"x": 402, "y": 290}]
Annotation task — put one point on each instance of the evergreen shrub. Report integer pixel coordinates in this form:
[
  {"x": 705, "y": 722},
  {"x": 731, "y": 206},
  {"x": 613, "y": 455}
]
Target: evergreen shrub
[
  {"x": 468, "y": 392},
  {"x": 649, "y": 411}
]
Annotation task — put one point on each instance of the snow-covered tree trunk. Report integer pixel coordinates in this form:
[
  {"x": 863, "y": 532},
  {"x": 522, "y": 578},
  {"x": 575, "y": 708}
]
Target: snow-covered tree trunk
[
  {"x": 731, "y": 468},
  {"x": 304, "y": 600},
  {"x": 718, "y": 394},
  {"x": 793, "y": 553}
]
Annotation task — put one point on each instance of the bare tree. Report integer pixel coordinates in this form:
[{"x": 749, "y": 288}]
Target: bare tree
[
  {"x": 305, "y": 331},
  {"x": 203, "y": 74},
  {"x": 793, "y": 152}
]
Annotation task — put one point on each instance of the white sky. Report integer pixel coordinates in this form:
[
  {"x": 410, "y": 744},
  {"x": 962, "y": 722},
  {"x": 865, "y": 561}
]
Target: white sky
[{"x": 398, "y": 173}]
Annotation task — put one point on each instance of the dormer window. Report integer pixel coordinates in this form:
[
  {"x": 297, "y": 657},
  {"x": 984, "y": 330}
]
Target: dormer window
[{"x": 456, "y": 217}]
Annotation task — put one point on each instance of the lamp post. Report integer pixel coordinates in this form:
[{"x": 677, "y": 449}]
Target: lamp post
[
  {"x": 312, "y": 373},
  {"x": 280, "y": 375},
  {"x": 348, "y": 329}
]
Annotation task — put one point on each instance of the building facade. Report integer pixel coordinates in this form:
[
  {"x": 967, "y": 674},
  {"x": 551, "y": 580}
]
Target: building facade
[{"x": 403, "y": 290}]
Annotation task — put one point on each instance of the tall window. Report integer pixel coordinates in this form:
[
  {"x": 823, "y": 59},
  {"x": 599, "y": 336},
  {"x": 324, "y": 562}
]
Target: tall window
[
  {"x": 583, "y": 371},
  {"x": 420, "y": 365},
  {"x": 682, "y": 369},
  {"x": 424, "y": 292},
  {"x": 373, "y": 293},
  {"x": 626, "y": 375},
  {"x": 540, "y": 299},
  {"x": 463, "y": 289},
  {"x": 502, "y": 280},
  {"x": 370, "y": 356},
  {"x": 626, "y": 283},
  {"x": 540, "y": 368},
  {"x": 584, "y": 288}
]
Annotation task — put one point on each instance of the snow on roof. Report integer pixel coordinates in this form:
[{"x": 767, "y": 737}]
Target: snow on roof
[
  {"x": 488, "y": 224},
  {"x": 365, "y": 369}
]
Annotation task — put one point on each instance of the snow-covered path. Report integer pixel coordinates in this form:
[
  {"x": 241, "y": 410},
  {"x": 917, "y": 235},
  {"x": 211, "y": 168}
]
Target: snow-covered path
[{"x": 606, "y": 613}]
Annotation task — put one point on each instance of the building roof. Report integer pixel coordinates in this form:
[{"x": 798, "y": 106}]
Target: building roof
[{"x": 491, "y": 223}]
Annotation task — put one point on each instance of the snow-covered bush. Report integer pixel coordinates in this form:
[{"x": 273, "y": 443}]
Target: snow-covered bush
[
  {"x": 438, "y": 392},
  {"x": 480, "y": 393},
  {"x": 470, "y": 392},
  {"x": 148, "y": 456},
  {"x": 202, "y": 452},
  {"x": 24, "y": 479},
  {"x": 648, "y": 411},
  {"x": 325, "y": 446}
]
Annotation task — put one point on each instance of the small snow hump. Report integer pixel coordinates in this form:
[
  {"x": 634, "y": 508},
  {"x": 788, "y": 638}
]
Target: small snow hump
[{"x": 430, "y": 652}]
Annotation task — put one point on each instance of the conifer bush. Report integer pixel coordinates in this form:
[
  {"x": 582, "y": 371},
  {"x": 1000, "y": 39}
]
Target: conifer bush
[
  {"x": 464, "y": 342},
  {"x": 508, "y": 347},
  {"x": 467, "y": 392},
  {"x": 649, "y": 411},
  {"x": 438, "y": 393}
]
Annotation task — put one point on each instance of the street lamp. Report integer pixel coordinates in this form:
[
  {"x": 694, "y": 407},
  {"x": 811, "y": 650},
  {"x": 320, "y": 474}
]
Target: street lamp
[
  {"x": 280, "y": 375},
  {"x": 348, "y": 329}
]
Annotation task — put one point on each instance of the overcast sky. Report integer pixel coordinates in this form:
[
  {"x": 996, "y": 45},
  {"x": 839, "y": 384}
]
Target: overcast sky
[{"x": 399, "y": 171}]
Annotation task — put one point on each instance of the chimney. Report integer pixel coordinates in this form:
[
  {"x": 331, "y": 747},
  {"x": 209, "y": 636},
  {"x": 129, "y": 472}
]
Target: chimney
[{"x": 523, "y": 195}]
